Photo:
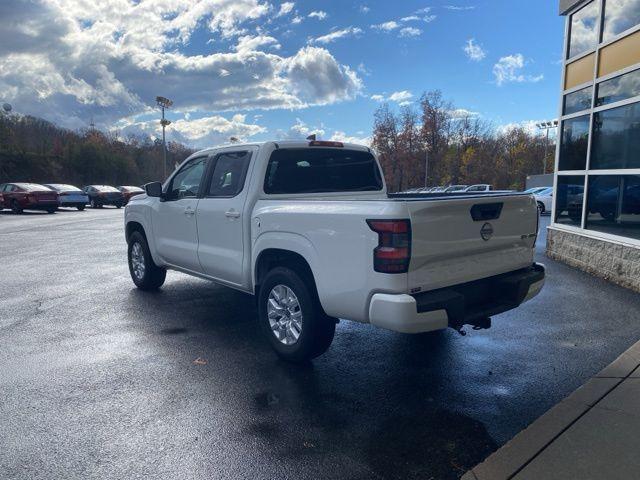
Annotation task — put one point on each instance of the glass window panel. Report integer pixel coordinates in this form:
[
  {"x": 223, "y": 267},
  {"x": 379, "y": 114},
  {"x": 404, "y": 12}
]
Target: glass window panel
[
  {"x": 578, "y": 101},
  {"x": 229, "y": 174},
  {"x": 619, "y": 16},
  {"x": 619, "y": 88},
  {"x": 569, "y": 197},
  {"x": 573, "y": 143},
  {"x": 584, "y": 29},
  {"x": 616, "y": 138},
  {"x": 614, "y": 205}
]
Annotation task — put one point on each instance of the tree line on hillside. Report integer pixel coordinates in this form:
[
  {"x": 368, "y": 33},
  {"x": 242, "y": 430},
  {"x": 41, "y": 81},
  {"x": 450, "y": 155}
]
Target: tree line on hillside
[
  {"x": 454, "y": 147},
  {"x": 35, "y": 150},
  {"x": 461, "y": 148}
]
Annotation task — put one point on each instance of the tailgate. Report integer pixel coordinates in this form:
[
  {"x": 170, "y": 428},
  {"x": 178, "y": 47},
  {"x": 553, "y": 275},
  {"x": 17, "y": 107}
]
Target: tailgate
[{"x": 458, "y": 240}]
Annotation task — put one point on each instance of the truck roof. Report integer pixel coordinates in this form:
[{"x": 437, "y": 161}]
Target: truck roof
[{"x": 285, "y": 144}]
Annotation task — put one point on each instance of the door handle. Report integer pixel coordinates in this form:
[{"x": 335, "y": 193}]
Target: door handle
[
  {"x": 232, "y": 214},
  {"x": 189, "y": 212}
]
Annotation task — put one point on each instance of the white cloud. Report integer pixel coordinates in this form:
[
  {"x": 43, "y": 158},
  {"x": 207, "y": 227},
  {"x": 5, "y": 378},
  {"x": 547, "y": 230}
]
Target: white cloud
[
  {"x": 200, "y": 133},
  {"x": 286, "y": 8},
  {"x": 509, "y": 69},
  {"x": 336, "y": 35},
  {"x": 402, "y": 97},
  {"x": 410, "y": 18},
  {"x": 458, "y": 8},
  {"x": 249, "y": 43},
  {"x": 528, "y": 126},
  {"x": 319, "y": 14},
  {"x": 459, "y": 113},
  {"x": 296, "y": 20},
  {"x": 410, "y": 32},
  {"x": 102, "y": 60},
  {"x": 339, "y": 136},
  {"x": 299, "y": 131},
  {"x": 364, "y": 9},
  {"x": 386, "y": 26},
  {"x": 474, "y": 51}
]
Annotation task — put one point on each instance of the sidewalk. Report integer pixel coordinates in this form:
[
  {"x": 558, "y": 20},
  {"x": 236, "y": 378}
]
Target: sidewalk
[{"x": 592, "y": 434}]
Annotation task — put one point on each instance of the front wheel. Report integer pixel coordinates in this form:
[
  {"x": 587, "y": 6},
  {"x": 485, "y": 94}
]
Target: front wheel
[
  {"x": 94, "y": 203},
  {"x": 80, "y": 207},
  {"x": 51, "y": 210},
  {"x": 540, "y": 207},
  {"x": 16, "y": 208},
  {"x": 118, "y": 205},
  {"x": 291, "y": 317},
  {"x": 144, "y": 272}
]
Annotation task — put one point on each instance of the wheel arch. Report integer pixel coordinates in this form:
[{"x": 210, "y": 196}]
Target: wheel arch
[{"x": 272, "y": 257}]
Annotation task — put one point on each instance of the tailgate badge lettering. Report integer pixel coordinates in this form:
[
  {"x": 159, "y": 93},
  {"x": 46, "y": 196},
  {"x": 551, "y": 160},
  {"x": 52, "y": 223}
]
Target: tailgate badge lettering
[{"x": 486, "y": 232}]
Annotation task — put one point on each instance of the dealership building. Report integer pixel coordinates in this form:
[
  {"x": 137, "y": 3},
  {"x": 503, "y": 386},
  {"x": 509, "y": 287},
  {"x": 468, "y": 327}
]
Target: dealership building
[{"x": 596, "y": 216}]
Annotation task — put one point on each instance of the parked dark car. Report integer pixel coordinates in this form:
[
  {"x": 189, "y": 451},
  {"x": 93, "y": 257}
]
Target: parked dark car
[
  {"x": 101, "y": 195},
  {"x": 27, "y": 196},
  {"x": 129, "y": 191},
  {"x": 69, "y": 196}
]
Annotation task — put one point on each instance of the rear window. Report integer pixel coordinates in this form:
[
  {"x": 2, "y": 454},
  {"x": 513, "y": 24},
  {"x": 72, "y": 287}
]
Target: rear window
[
  {"x": 321, "y": 170},
  {"x": 32, "y": 187}
]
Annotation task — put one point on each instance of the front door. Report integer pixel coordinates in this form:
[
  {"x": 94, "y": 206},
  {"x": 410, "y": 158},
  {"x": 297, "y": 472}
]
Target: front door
[
  {"x": 221, "y": 226},
  {"x": 174, "y": 218}
]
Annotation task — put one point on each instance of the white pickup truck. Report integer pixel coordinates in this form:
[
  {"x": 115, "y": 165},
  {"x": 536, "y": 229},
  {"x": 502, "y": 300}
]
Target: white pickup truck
[{"x": 309, "y": 229}]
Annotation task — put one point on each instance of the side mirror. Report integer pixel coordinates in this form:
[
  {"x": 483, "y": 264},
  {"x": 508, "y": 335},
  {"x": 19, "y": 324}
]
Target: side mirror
[{"x": 153, "y": 189}]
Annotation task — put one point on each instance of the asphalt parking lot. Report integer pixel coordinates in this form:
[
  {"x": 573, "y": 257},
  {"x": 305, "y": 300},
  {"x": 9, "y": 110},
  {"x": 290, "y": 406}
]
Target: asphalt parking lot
[{"x": 100, "y": 380}]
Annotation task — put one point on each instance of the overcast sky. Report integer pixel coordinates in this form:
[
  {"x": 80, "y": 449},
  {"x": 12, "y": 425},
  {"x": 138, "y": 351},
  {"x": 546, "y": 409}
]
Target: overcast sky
[{"x": 258, "y": 69}]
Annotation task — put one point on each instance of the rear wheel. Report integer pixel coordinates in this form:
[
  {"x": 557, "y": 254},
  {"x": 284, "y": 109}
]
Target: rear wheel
[
  {"x": 291, "y": 317},
  {"x": 144, "y": 272},
  {"x": 94, "y": 203},
  {"x": 15, "y": 207},
  {"x": 541, "y": 207},
  {"x": 80, "y": 207},
  {"x": 118, "y": 205},
  {"x": 51, "y": 210}
]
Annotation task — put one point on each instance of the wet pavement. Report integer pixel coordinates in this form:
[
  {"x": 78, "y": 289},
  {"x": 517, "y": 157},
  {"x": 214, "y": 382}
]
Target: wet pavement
[{"x": 100, "y": 380}]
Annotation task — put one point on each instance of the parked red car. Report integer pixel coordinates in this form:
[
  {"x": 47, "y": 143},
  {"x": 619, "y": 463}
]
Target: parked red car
[
  {"x": 27, "y": 196},
  {"x": 128, "y": 191}
]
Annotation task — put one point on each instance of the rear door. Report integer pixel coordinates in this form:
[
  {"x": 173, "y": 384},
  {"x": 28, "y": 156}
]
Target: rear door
[
  {"x": 458, "y": 240},
  {"x": 221, "y": 226},
  {"x": 174, "y": 219}
]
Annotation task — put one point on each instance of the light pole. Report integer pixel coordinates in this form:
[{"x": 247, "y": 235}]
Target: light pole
[
  {"x": 546, "y": 126},
  {"x": 163, "y": 103},
  {"x": 426, "y": 168}
]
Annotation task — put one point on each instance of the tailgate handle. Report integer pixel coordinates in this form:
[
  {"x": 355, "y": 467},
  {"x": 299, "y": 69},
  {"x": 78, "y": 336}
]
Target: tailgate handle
[{"x": 486, "y": 211}]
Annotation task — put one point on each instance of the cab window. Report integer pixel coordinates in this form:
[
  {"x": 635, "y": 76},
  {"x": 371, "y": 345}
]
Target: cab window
[
  {"x": 229, "y": 174},
  {"x": 186, "y": 183}
]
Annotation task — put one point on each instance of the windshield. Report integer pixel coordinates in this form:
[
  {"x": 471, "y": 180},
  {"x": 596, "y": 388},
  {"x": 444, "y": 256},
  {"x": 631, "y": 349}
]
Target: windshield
[
  {"x": 32, "y": 187},
  {"x": 321, "y": 170}
]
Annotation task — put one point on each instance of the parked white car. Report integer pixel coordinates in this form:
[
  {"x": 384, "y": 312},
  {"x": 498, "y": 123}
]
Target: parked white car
[
  {"x": 544, "y": 200},
  {"x": 69, "y": 196},
  {"x": 308, "y": 228}
]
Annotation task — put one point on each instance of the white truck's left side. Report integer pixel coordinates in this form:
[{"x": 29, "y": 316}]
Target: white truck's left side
[{"x": 309, "y": 229}]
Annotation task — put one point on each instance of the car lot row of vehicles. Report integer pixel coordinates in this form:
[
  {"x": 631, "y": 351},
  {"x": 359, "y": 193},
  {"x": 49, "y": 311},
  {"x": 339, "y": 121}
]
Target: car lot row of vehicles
[
  {"x": 543, "y": 196},
  {"x": 49, "y": 197}
]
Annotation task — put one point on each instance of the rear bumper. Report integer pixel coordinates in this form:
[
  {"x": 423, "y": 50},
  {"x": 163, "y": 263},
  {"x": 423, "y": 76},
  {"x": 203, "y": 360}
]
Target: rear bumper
[{"x": 455, "y": 306}]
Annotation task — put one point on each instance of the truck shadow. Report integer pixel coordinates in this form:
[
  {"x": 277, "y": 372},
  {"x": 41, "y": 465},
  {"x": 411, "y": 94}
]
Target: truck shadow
[{"x": 367, "y": 408}]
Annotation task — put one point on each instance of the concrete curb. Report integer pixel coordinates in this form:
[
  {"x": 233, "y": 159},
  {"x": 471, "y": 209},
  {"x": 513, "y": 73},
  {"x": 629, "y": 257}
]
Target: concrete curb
[{"x": 509, "y": 460}]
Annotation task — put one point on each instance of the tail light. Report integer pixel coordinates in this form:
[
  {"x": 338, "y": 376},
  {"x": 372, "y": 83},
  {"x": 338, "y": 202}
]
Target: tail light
[{"x": 393, "y": 253}]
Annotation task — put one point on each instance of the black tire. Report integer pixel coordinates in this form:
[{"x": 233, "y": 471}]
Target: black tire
[
  {"x": 94, "y": 203},
  {"x": 16, "y": 208},
  {"x": 51, "y": 210},
  {"x": 317, "y": 330},
  {"x": 118, "y": 205},
  {"x": 541, "y": 207},
  {"x": 80, "y": 207},
  {"x": 153, "y": 276}
]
